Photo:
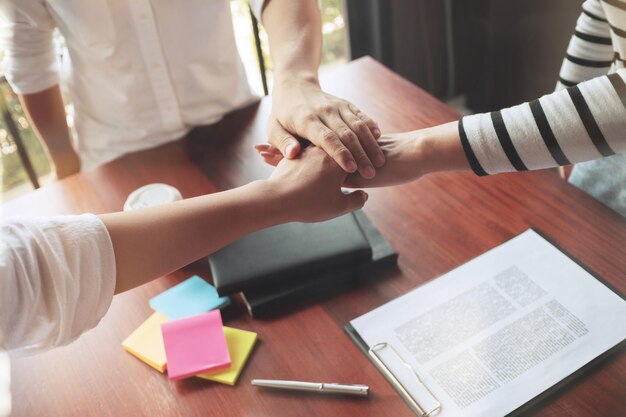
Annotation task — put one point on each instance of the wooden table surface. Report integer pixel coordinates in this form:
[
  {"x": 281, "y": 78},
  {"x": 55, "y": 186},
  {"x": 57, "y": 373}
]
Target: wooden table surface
[{"x": 436, "y": 224}]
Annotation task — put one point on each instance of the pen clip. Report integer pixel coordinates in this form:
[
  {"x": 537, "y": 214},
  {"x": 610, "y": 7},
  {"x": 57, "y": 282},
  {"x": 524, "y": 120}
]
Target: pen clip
[
  {"x": 346, "y": 385},
  {"x": 338, "y": 387},
  {"x": 404, "y": 393}
]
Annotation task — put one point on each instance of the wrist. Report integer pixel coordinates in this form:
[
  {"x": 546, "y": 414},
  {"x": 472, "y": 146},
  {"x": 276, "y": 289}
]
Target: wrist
[
  {"x": 270, "y": 201},
  {"x": 439, "y": 149},
  {"x": 427, "y": 151},
  {"x": 296, "y": 79},
  {"x": 66, "y": 163}
]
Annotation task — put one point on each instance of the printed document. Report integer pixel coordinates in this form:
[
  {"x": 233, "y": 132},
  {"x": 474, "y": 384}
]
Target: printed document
[{"x": 497, "y": 331}]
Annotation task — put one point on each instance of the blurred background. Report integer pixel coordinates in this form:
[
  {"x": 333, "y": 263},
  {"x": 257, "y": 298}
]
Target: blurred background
[{"x": 477, "y": 55}]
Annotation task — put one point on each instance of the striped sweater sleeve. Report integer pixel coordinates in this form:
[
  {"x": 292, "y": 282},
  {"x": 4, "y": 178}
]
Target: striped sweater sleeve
[
  {"x": 584, "y": 121},
  {"x": 590, "y": 51}
]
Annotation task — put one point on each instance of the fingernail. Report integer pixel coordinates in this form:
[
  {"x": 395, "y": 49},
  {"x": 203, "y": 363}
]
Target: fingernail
[
  {"x": 376, "y": 132},
  {"x": 369, "y": 171},
  {"x": 290, "y": 149},
  {"x": 365, "y": 197},
  {"x": 379, "y": 160},
  {"x": 351, "y": 165}
]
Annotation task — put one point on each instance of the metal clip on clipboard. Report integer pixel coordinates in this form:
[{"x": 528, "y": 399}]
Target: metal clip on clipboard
[{"x": 402, "y": 390}]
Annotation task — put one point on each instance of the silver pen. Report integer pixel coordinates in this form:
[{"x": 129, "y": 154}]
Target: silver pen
[{"x": 321, "y": 387}]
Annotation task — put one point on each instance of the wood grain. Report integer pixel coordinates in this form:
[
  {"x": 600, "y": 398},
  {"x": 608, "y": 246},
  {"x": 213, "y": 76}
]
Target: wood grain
[{"x": 436, "y": 224}]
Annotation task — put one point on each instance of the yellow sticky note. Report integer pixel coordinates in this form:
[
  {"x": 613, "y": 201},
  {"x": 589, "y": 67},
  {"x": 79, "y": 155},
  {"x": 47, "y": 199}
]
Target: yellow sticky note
[
  {"x": 146, "y": 342},
  {"x": 240, "y": 344}
]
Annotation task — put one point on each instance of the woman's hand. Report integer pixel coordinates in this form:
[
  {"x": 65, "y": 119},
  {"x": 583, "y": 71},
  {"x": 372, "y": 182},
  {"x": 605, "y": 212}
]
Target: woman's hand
[{"x": 309, "y": 187}]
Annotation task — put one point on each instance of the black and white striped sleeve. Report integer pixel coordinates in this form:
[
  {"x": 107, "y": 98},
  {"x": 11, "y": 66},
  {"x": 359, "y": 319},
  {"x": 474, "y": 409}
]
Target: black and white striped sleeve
[
  {"x": 580, "y": 123},
  {"x": 590, "y": 51}
]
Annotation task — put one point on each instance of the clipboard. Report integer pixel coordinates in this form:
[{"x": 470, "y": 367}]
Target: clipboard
[
  {"x": 410, "y": 400},
  {"x": 414, "y": 405},
  {"x": 420, "y": 410}
]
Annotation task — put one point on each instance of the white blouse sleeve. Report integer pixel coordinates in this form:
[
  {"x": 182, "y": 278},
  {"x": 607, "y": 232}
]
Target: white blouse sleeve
[
  {"x": 57, "y": 279},
  {"x": 30, "y": 62}
]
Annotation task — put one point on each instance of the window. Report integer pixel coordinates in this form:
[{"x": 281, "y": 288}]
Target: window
[
  {"x": 335, "y": 50},
  {"x": 14, "y": 177}
]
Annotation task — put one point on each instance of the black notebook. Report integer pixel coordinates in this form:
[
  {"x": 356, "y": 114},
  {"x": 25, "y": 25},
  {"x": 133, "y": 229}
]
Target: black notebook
[
  {"x": 276, "y": 298},
  {"x": 289, "y": 253}
]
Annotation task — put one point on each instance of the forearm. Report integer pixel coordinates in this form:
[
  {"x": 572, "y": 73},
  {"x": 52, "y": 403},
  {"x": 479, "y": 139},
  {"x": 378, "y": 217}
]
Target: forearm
[
  {"x": 153, "y": 242},
  {"x": 579, "y": 124},
  {"x": 295, "y": 38},
  {"x": 413, "y": 154},
  {"x": 300, "y": 109},
  {"x": 440, "y": 149},
  {"x": 46, "y": 111}
]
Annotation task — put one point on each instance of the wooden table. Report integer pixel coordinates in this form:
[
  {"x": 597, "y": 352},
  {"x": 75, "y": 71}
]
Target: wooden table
[{"x": 436, "y": 224}]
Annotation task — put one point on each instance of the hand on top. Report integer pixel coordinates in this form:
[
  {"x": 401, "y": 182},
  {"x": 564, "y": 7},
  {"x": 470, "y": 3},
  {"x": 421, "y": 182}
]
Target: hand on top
[{"x": 300, "y": 109}]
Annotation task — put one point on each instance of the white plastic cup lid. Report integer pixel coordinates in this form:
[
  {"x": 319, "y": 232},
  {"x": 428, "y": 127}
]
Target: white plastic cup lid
[{"x": 152, "y": 195}]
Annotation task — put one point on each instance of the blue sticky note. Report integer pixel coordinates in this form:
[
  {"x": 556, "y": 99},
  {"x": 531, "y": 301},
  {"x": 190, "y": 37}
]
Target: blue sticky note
[{"x": 190, "y": 297}]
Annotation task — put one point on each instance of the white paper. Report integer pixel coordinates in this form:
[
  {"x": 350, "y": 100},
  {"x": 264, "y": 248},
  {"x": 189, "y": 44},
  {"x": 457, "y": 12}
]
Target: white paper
[{"x": 497, "y": 331}]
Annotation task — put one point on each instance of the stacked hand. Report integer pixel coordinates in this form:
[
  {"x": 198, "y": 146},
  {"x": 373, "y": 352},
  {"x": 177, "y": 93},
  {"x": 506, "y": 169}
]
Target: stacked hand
[
  {"x": 408, "y": 155},
  {"x": 402, "y": 152},
  {"x": 347, "y": 147},
  {"x": 309, "y": 187},
  {"x": 300, "y": 109}
]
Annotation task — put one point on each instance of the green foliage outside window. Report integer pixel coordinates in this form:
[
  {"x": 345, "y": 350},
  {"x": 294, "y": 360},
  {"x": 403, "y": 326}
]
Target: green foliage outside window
[
  {"x": 13, "y": 173},
  {"x": 334, "y": 31}
]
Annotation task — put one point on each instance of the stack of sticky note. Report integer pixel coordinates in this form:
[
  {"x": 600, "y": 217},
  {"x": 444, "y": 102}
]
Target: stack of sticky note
[
  {"x": 240, "y": 343},
  {"x": 186, "y": 335},
  {"x": 194, "y": 345},
  {"x": 146, "y": 342}
]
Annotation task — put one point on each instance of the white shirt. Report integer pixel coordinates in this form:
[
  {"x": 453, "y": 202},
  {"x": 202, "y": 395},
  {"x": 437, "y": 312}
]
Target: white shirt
[
  {"x": 141, "y": 72},
  {"x": 57, "y": 279}
]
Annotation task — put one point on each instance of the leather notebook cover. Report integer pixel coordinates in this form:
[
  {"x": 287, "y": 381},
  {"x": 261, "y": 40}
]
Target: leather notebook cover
[
  {"x": 289, "y": 253},
  {"x": 274, "y": 298}
]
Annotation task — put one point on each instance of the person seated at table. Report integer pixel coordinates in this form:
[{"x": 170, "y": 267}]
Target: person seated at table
[
  {"x": 143, "y": 73},
  {"x": 58, "y": 274},
  {"x": 584, "y": 122}
]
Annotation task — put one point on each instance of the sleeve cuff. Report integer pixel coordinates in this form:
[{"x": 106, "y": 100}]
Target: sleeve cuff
[
  {"x": 29, "y": 75},
  {"x": 33, "y": 86},
  {"x": 469, "y": 153},
  {"x": 109, "y": 269}
]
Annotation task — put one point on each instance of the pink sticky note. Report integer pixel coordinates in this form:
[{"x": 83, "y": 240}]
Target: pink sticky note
[{"x": 195, "y": 345}]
